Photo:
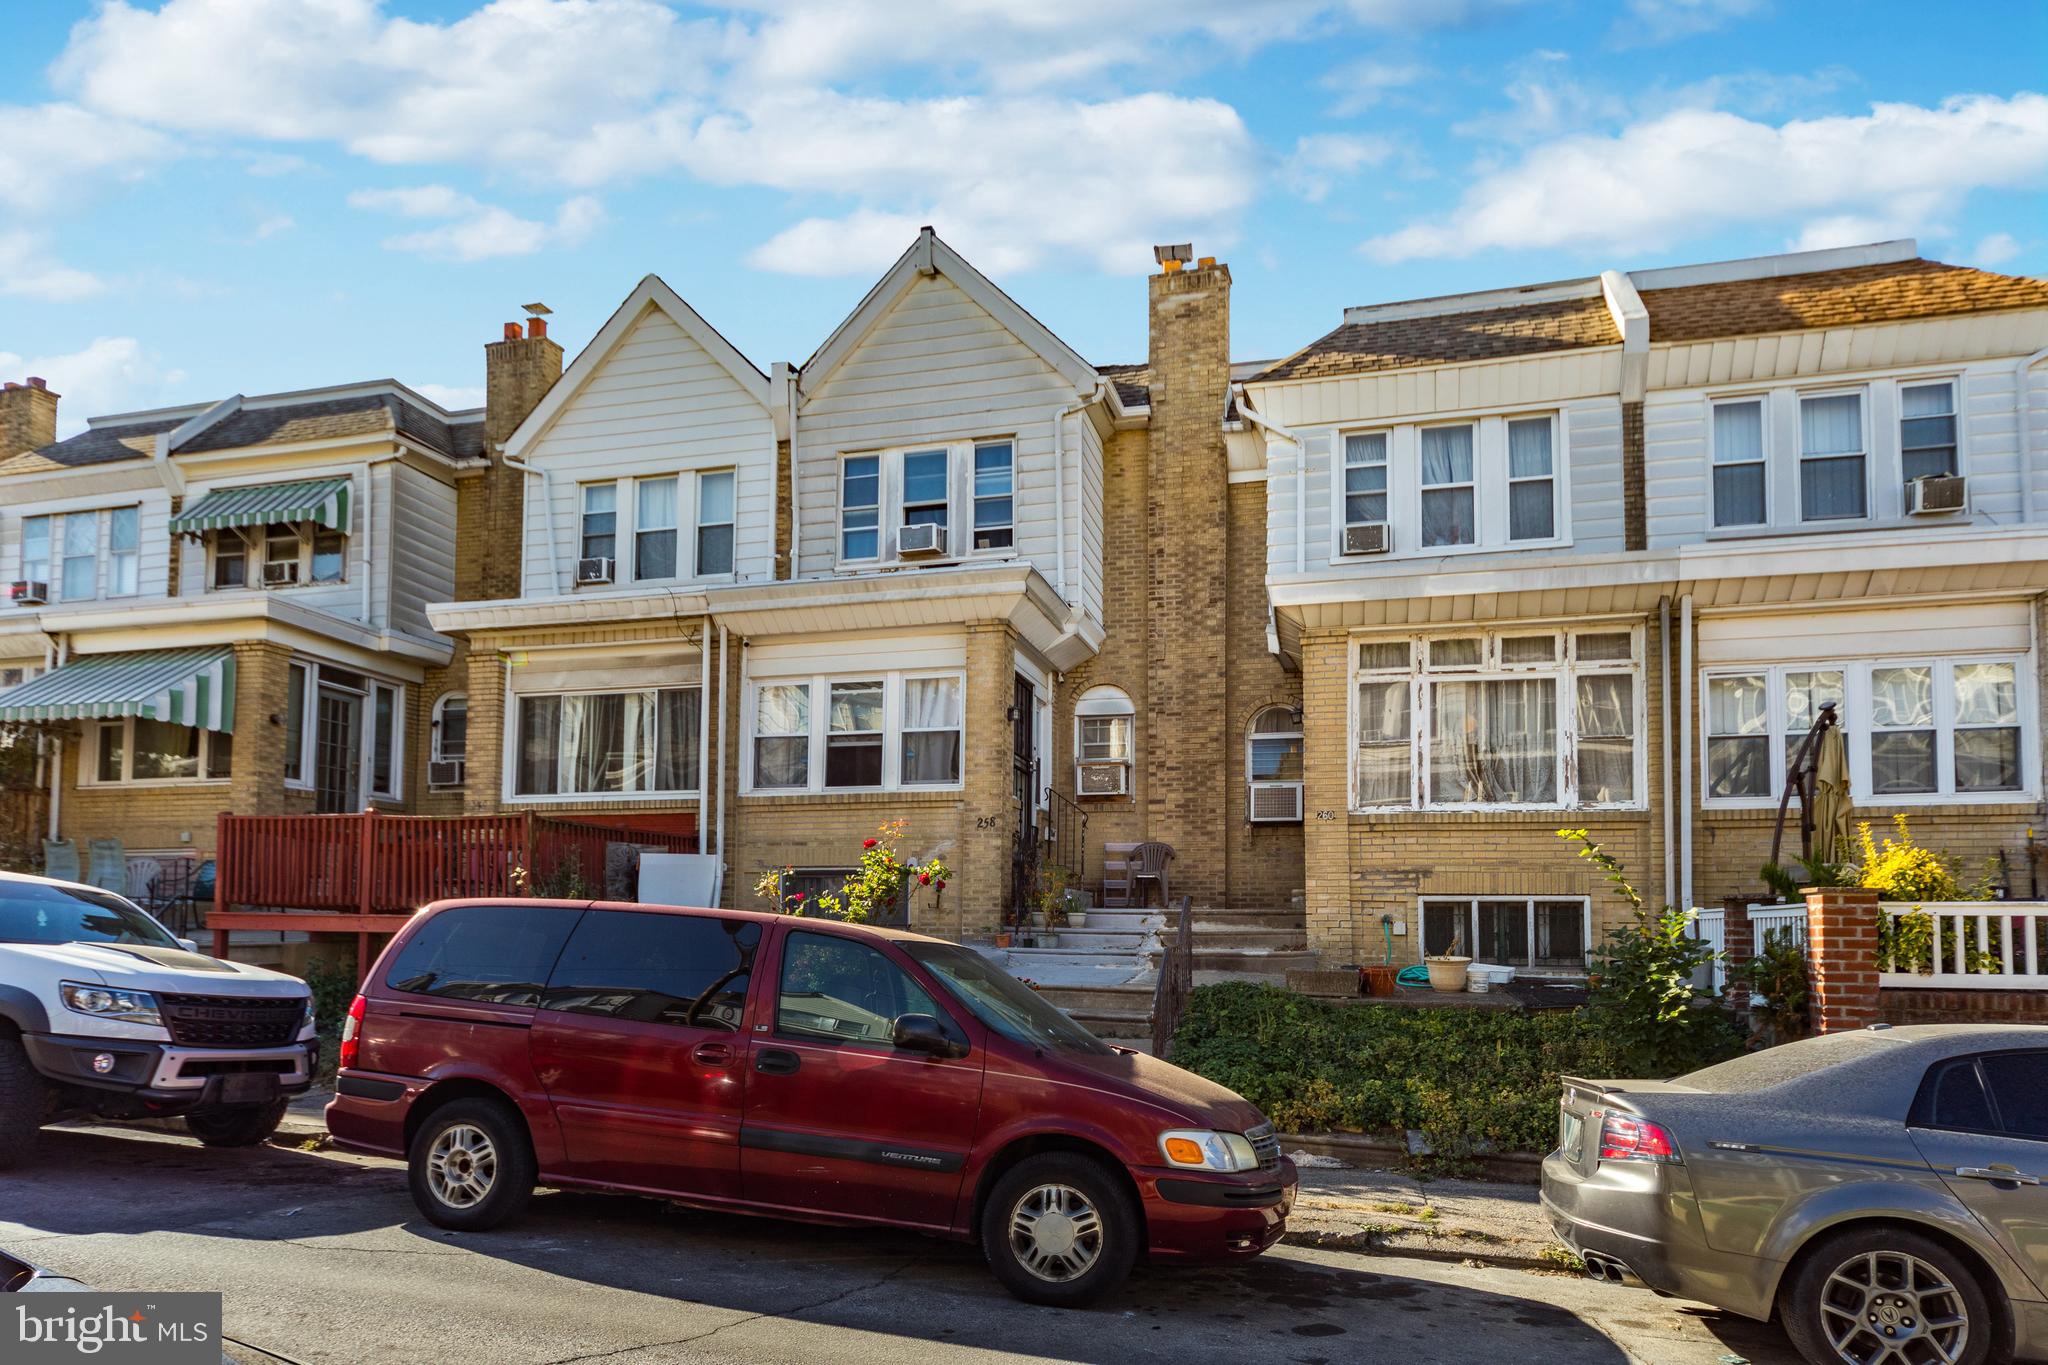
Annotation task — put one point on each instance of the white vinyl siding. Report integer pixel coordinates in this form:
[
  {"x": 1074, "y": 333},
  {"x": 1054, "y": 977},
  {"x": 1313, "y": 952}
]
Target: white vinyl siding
[
  {"x": 659, "y": 406},
  {"x": 418, "y": 544}
]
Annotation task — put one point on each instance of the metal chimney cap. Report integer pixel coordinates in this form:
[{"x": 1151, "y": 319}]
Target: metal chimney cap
[
  {"x": 1178, "y": 251},
  {"x": 539, "y": 310}
]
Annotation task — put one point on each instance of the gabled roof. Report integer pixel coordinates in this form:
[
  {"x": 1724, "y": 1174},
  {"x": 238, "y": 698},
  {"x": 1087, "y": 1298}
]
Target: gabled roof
[
  {"x": 651, "y": 292},
  {"x": 930, "y": 256}
]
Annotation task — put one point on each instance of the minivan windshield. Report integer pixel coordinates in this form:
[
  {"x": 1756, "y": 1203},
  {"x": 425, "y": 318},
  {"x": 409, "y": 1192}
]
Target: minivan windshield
[
  {"x": 1003, "y": 1002},
  {"x": 34, "y": 912}
]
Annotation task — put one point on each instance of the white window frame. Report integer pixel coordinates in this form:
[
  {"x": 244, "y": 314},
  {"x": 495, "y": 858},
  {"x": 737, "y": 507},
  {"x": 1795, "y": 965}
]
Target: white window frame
[
  {"x": 1861, "y": 392},
  {"x": 56, "y": 524},
  {"x": 894, "y": 682},
  {"x": 1585, "y": 904},
  {"x": 674, "y": 528},
  {"x": 49, "y": 539},
  {"x": 89, "y": 760},
  {"x": 395, "y": 791},
  {"x": 1553, "y": 477},
  {"x": 1899, "y": 418},
  {"x": 975, "y": 497},
  {"x": 509, "y": 782},
  {"x": 1474, "y": 484},
  {"x": 583, "y": 515},
  {"x": 1255, "y": 784},
  {"x": 1106, "y": 702},
  {"x": 436, "y": 750},
  {"x": 1490, "y": 480},
  {"x": 1856, "y": 714},
  {"x": 1564, "y": 666},
  {"x": 1764, "y": 461},
  {"x": 889, "y": 509},
  {"x": 366, "y": 741},
  {"x": 1341, "y": 443},
  {"x": 698, "y": 525}
]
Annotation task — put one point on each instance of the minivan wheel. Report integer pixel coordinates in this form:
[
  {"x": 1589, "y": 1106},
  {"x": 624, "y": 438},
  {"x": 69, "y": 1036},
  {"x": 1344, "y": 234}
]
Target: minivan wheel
[
  {"x": 242, "y": 1126},
  {"x": 1886, "y": 1294},
  {"x": 22, "y": 1104},
  {"x": 1060, "y": 1229},
  {"x": 471, "y": 1165}
]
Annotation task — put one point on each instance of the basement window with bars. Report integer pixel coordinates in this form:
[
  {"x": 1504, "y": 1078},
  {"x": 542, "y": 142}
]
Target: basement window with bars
[{"x": 1541, "y": 934}]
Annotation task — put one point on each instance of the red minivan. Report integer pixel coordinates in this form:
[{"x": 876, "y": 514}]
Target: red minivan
[{"x": 795, "y": 1067}]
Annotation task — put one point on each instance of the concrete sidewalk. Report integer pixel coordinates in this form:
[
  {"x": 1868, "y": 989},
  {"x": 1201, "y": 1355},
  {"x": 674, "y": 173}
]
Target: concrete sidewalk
[{"x": 1392, "y": 1211}]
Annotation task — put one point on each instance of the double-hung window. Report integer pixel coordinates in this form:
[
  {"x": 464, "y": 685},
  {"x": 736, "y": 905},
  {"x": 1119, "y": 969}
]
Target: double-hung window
[
  {"x": 1919, "y": 730},
  {"x": 654, "y": 527},
  {"x": 714, "y": 523},
  {"x": 1365, "y": 478},
  {"x": 81, "y": 556},
  {"x": 1927, "y": 430},
  {"x": 926, "y": 487},
  {"x": 35, "y": 549},
  {"x": 1832, "y": 456},
  {"x": 598, "y": 537},
  {"x": 1515, "y": 718},
  {"x": 124, "y": 551},
  {"x": 1449, "y": 505},
  {"x": 74, "y": 544},
  {"x": 1532, "y": 479},
  {"x": 1739, "y": 465},
  {"x": 994, "y": 487},
  {"x": 876, "y": 731},
  {"x": 138, "y": 750},
  {"x": 643, "y": 742},
  {"x": 860, "y": 507}
]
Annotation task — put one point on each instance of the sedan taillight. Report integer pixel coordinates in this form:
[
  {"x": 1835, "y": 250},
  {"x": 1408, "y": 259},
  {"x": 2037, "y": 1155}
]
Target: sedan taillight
[
  {"x": 351, "y": 1034},
  {"x": 1624, "y": 1137}
]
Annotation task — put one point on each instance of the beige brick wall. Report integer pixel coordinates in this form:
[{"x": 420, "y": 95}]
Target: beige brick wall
[{"x": 1265, "y": 860}]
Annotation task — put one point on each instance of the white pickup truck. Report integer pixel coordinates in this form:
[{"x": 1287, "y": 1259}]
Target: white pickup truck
[{"x": 104, "y": 1013}]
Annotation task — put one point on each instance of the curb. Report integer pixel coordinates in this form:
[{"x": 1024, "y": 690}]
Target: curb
[
  {"x": 1374, "y": 1243},
  {"x": 1520, "y": 1168}
]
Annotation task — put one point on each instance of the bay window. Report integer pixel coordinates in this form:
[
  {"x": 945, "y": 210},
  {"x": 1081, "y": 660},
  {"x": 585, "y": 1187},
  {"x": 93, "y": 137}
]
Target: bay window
[
  {"x": 644, "y": 742},
  {"x": 879, "y": 731},
  {"x": 1918, "y": 730},
  {"x": 1528, "y": 718},
  {"x": 137, "y": 750},
  {"x": 1832, "y": 454}
]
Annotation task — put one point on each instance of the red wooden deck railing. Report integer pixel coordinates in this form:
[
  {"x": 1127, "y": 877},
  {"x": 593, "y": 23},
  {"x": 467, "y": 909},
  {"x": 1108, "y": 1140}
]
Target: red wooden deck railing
[{"x": 365, "y": 874}]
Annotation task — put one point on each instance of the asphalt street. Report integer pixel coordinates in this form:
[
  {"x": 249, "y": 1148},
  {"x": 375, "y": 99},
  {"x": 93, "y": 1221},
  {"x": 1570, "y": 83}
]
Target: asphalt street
[{"x": 323, "y": 1259}]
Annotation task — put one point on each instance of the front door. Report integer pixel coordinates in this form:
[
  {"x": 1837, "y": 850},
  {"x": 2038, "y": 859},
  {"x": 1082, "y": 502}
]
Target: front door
[
  {"x": 638, "y": 1041},
  {"x": 1024, "y": 747},
  {"x": 337, "y": 752},
  {"x": 839, "y": 1121},
  {"x": 1982, "y": 1124}
]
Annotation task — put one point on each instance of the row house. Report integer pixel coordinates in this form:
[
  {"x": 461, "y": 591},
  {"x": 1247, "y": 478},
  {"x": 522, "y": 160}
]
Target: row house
[{"x": 1594, "y": 553}]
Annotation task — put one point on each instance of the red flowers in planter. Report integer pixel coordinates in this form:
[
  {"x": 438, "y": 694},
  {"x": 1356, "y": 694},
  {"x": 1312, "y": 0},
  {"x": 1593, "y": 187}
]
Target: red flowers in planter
[
  {"x": 924, "y": 879},
  {"x": 869, "y": 843}
]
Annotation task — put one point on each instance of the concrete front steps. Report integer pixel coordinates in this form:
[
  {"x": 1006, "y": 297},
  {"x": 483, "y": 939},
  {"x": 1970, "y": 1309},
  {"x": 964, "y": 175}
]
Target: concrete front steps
[
  {"x": 1121, "y": 1014},
  {"x": 1235, "y": 943}
]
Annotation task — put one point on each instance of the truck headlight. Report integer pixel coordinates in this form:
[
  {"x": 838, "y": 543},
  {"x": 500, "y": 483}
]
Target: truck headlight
[
  {"x": 1201, "y": 1150},
  {"x": 106, "y": 1002}
]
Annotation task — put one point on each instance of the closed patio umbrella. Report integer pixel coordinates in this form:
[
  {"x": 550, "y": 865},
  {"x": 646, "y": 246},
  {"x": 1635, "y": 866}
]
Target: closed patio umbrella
[{"x": 1831, "y": 798}]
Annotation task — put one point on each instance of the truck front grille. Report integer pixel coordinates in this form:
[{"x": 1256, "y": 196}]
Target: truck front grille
[
  {"x": 231, "y": 1020},
  {"x": 1266, "y": 1144}
]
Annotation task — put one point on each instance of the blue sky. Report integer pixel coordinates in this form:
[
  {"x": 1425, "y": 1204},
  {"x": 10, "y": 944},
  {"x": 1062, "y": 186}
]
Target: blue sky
[{"x": 201, "y": 197}]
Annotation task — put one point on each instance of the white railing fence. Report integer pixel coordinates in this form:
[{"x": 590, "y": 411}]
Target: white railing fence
[
  {"x": 1967, "y": 945},
  {"x": 1767, "y": 923}
]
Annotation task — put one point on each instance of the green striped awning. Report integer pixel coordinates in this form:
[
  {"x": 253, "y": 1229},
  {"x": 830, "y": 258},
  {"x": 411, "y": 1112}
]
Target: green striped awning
[
  {"x": 184, "y": 686},
  {"x": 320, "y": 500}
]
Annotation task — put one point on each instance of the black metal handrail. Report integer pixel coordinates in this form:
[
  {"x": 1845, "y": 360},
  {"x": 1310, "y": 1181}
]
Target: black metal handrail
[
  {"x": 1066, "y": 829},
  {"x": 1176, "y": 978}
]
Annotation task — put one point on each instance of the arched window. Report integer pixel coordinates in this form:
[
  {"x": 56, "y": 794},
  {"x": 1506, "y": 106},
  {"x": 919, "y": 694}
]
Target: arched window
[
  {"x": 1273, "y": 767},
  {"x": 449, "y": 753},
  {"x": 1104, "y": 742}
]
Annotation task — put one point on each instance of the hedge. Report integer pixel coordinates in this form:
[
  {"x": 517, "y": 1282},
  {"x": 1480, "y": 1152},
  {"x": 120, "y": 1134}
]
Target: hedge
[{"x": 1467, "y": 1079}]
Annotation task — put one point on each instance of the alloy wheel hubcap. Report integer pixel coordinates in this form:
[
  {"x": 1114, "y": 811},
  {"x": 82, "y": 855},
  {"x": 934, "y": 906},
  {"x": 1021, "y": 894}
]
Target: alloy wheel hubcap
[
  {"x": 462, "y": 1165},
  {"x": 1055, "y": 1233},
  {"x": 1889, "y": 1308}
]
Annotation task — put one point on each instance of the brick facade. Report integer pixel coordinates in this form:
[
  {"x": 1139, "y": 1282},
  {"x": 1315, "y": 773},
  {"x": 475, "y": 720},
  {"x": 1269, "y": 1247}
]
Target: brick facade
[{"x": 1841, "y": 955}]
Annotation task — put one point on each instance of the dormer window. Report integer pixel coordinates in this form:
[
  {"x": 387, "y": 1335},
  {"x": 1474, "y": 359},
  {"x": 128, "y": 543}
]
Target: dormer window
[{"x": 279, "y": 555}]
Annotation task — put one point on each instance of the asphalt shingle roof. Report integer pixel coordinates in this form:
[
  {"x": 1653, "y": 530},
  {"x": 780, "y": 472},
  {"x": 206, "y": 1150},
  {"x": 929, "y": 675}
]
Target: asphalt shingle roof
[
  {"x": 101, "y": 445},
  {"x": 1133, "y": 383},
  {"x": 1447, "y": 338},
  {"x": 1835, "y": 298}
]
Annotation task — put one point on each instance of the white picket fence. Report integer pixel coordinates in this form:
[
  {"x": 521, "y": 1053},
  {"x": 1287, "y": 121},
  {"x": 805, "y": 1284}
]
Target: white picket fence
[
  {"x": 1767, "y": 922},
  {"x": 1980, "y": 945}
]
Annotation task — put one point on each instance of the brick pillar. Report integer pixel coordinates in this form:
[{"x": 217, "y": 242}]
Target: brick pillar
[
  {"x": 979, "y": 892},
  {"x": 1186, "y": 753},
  {"x": 1634, "y": 503},
  {"x": 1326, "y": 756},
  {"x": 262, "y": 679},
  {"x": 1841, "y": 955},
  {"x": 1737, "y": 932},
  {"x": 483, "y": 775}
]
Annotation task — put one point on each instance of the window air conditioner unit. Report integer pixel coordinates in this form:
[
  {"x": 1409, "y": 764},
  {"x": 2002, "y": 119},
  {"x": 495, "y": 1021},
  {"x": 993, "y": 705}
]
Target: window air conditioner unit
[
  {"x": 1274, "y": 803},
  {"x": 1102, "y": 779},
  {"x": 1367, "y": 538},
  {"x": 26, "y": 594},
  {"x": 445, "y": 772},
  {"x": 278, "y": 575},
  {"x": 1935, "y": 493},
  {"x": 923, "y": 541},
  {"x": 593, "y": 571}
]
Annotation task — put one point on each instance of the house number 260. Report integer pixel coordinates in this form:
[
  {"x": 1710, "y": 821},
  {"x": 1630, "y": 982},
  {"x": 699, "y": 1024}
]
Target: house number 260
[{"x": 1326, "y": 815}]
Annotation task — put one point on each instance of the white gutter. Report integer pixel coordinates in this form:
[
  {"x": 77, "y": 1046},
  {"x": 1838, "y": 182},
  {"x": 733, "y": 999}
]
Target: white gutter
[
  {"x": 718, "y": 845},
  {"x": 1245, "y": 409},
  {"x": 1632, "y": 320},
  {"x": 547, "y": 498},
  {"x": 2023, "y": 400},
  {"x": 1664, "y": 660},
  {"x": 1685, "y": 751},
  {"x": 1059, "y": 487}
]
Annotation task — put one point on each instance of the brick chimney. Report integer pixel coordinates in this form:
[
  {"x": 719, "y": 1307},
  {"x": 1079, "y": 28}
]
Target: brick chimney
[
  {"x": 28, "y": 416},
  {"x": 1187, "y": 530},
  {"x": 519, "y": 369}
]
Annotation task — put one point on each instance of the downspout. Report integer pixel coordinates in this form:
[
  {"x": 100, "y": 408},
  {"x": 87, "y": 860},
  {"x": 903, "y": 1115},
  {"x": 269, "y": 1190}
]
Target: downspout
[
  {"x": 370, "y": 555},
  {"x": 796, "y": 513},
  {"x": 718, "y": 834},
  {"x": 1244, "y": 407},
  {"x": 1664, "y": 691},
  {"x": 1685, "y": 751},
  {"x": 707, "y": 800},
  {"x": 547, "y": 511},
  {"x": 1059, "y": 486},
  {"x": 57, "y": 758},
  {"x": 2023, "y": 400}
]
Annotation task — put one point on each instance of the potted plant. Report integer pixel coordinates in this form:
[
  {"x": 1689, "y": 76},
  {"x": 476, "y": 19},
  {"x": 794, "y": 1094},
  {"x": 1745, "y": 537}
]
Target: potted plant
[{"x": 1077, "y": 907}]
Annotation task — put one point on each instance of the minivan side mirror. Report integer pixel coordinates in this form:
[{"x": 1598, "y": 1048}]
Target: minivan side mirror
[
  {"x": 190, "y": 945},
  {"x": 924, "y": 1033}
]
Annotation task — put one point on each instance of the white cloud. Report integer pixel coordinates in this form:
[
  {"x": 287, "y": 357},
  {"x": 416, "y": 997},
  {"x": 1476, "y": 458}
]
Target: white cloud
[
  {"x": 29, "y": 271},
  {"x": 477, "y": 231},
  {"x": 1995, "y": 249},
  {"x": 1361, "y": 85},
  {"x": 274, "y": 224},
  {"x": 1697, "y": 171},
  {"x": 113, "y": 374},
  {"x": 1010, "y": 182},
  {"x": 1659, "y": 21},
  {"x": 1545, "y": 101},
  {"x": 1320, "y": 160},
  {"x": 52, "y": 155}
]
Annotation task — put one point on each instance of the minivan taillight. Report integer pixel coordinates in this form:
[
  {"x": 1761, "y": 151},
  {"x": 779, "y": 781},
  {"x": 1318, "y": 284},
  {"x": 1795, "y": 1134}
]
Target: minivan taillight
[
  {"x": 351, "y": 1030},
  {"x": 1625, "y": 1138}
]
